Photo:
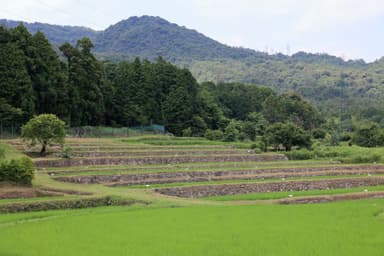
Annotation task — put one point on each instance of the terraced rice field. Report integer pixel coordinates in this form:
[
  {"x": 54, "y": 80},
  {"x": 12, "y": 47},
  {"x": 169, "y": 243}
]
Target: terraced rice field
[{"x": 158, "y": 174}]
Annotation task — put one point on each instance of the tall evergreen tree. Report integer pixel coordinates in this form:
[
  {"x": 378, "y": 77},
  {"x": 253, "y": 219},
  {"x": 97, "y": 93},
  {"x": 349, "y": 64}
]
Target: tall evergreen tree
[
  {"x": 85, "y": 75},
  {"x": 49, "y": 79},
  {"x": 16, "y": 94}
]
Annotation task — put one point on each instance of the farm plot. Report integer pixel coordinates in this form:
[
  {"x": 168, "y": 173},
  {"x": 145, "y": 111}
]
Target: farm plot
[
  {"x": 350, "y": 228},
  {"x": 131, "y": 168}
]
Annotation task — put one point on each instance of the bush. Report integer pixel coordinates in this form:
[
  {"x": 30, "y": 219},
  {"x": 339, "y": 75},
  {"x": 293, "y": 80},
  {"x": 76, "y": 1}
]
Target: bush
[
  {"x": 66, "y": 204},
  {"x": 187, "y": 132},
  {"x": 319, "y": 133},
  {"x": 19, "y": 171},
  {"x": 303, "y": 154},
  {"x": 213, "y": 134},
  {"x": 362, "y": 159},
  {"x": 2, "y": 153},
  {"x": 346, "y": 136},
  {"x": 259, "y": 146},
  {"x": 66, "y": 152},
  {"x": 369, "y": 135},
  {"x": 231, "y": 132}
]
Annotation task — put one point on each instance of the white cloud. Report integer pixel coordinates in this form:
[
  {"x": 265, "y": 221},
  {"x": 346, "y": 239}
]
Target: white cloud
[{"x": 330, "y": 13}]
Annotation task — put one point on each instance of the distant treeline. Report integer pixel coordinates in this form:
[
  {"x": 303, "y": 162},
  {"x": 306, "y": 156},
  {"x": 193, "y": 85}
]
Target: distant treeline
[{"x": 70, "y": 82}]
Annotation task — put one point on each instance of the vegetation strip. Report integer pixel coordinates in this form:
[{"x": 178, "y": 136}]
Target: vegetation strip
[
  {"x": 172, "y": 177},
  {"x": 232, "y": 189},
  {"x": 158, "y": 153},
  {"x": 331, "y": 198},
  {"x": 158, "y": 160},
  {"x": 66, "y": 204}
]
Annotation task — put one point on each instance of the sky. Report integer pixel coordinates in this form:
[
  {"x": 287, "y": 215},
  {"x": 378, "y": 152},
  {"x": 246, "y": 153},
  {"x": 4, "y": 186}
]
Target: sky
[{"x": 351, "y": 29}]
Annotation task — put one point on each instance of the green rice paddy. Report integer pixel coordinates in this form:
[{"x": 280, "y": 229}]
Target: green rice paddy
[{"x": 342, "y": 228}]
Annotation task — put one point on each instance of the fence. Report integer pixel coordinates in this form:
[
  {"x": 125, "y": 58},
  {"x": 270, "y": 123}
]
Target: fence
[{"x": 9, "y": 132}]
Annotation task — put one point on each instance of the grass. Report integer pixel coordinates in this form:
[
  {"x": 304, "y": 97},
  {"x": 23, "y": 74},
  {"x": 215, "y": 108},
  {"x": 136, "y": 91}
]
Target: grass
[
  {"x": 285, "y": 194},
  {"x": 342, "y": 228},
  {"x": 7, "y": 152},
  {"x": 163, "y": 140},
  {"x": 344, "y": 154}
]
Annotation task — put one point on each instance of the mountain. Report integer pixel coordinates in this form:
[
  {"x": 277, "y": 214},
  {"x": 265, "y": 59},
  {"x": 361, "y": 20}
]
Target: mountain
[
  {"x": 330, "y": 82},
  {"x": 150, "y": 37},
  {"x": 56, "y": 34}
]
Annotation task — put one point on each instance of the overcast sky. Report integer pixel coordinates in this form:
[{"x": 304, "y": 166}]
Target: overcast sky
[{"x": 351, "y": 29}]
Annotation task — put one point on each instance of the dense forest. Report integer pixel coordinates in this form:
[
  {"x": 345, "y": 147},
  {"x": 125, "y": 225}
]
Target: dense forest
[
  {"x": 70, "y": 82},
  {"x": 84, "y": 91}
]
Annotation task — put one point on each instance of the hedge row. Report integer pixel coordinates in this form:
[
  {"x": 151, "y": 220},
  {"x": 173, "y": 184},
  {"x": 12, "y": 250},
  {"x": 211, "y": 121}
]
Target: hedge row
[
  {"x": 66, "y": 204},
  {"x": 18, "y": 171}
]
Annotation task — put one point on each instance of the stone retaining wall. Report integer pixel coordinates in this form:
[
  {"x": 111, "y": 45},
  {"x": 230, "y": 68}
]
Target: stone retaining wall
[
  {"x": 173, "y": 177},
  {"x": 232, "y": 189},
  {"x": 157, "y": 160}
]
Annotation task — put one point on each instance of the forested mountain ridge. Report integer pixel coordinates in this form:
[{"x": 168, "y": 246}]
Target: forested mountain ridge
[
  {"x": 56, "y": 34},
  {"x": 334, "y": 85},
  {"x": 150, "y": 37}
]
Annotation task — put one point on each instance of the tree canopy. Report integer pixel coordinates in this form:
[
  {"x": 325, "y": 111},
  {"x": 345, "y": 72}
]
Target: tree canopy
[{"x": 44, "y": 130}]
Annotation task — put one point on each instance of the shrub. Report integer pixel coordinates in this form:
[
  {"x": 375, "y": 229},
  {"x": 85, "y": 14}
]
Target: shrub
[
  {"x": 66, "y": 204},
  {"x": 19, "y": 171},
  {"x": 2, "y": 153},
  {"x": 66, "y": 152},
  {"x": 231, "y": 132},
  {"x": 187, "y": 132},
  {"x": 303, "y": 154},
  {"x": 259, "y": 146},
  {"x": 319, "y": 133},
  {"x": 361, "y": 159},
  {"x": 213, "y": 134},
  {"x": 346, "y": 136},
  {"x": 369, "y": 135}
]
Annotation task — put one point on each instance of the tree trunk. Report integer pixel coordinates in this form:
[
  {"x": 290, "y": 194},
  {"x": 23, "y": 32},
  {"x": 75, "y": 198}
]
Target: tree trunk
[{"x": 43, "y": 149}]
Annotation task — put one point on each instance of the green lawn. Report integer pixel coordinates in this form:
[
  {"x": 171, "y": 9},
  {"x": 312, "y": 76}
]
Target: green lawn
[{"x": 342, "y": 228}]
